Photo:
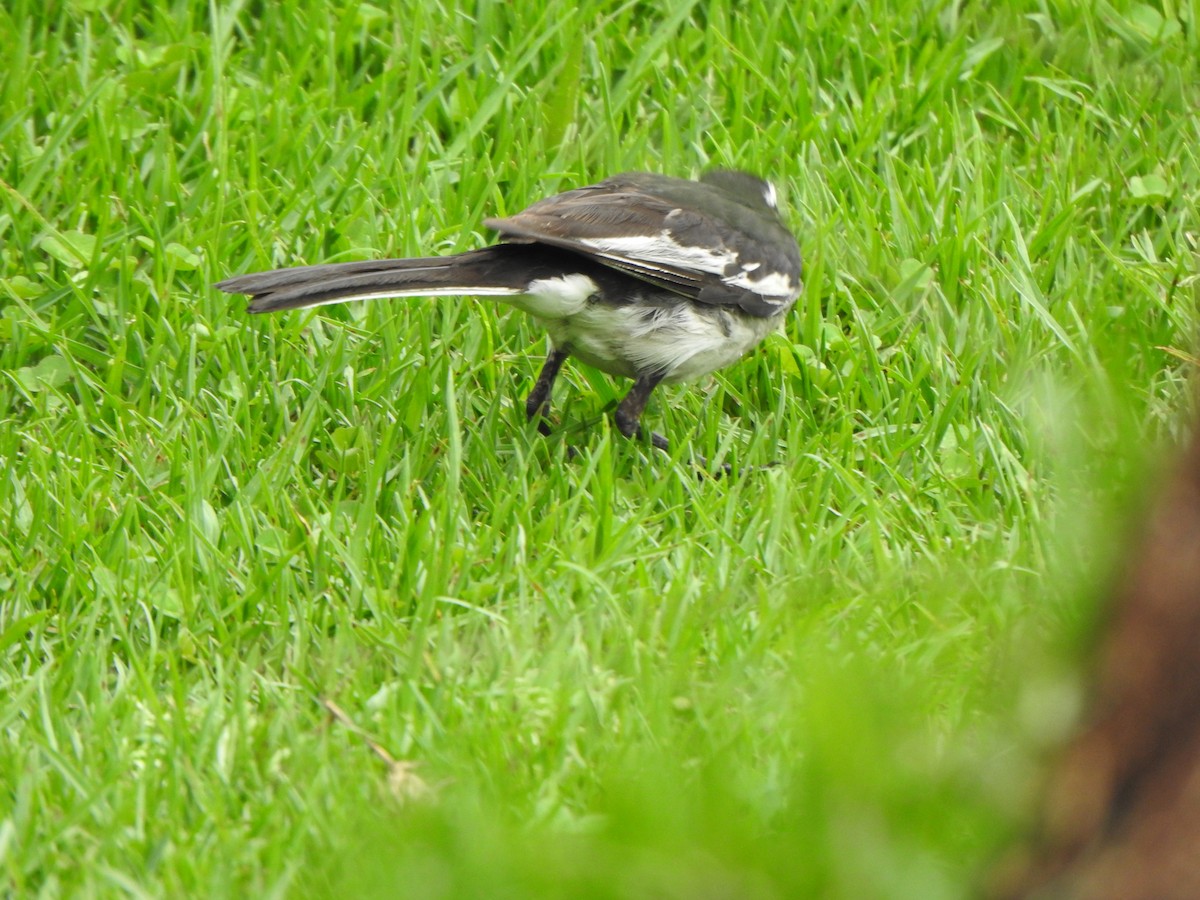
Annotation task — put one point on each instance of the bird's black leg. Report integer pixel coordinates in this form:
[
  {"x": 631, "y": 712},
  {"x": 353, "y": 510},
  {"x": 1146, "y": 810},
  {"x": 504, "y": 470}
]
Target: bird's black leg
[
  {"x": 629, "y": 410},
  {"x": 538, "y": 401}
]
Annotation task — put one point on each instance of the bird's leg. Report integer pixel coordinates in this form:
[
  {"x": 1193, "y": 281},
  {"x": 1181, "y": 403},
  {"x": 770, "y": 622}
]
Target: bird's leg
[
  {"x": 629, "y": 410},
  {"x": 538, "y": 402}
]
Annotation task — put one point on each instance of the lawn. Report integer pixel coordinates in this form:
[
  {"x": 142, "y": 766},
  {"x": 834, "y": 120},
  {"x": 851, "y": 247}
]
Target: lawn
[{"x": 301, "y": 605}]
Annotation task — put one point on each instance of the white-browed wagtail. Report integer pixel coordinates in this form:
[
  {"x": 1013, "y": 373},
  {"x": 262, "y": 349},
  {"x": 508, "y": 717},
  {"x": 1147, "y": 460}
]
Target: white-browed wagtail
[{"x": 653, "y": 278}]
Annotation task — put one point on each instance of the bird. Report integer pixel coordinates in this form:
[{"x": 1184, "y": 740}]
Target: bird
[{"x": 645, "y": 276}]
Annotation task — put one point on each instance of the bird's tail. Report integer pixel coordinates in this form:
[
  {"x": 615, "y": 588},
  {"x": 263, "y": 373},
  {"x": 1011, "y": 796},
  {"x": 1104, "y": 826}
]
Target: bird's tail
[{"x": 489, "y": 271}]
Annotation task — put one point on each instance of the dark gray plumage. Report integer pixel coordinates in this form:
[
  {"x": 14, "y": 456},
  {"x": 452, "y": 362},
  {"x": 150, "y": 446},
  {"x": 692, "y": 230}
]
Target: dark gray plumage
[{"x": 655, "y": 278}]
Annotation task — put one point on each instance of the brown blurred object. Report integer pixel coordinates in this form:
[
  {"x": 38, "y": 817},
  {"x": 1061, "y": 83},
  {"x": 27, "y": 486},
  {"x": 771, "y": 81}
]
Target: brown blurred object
[{"x": 1121, "y": 818}]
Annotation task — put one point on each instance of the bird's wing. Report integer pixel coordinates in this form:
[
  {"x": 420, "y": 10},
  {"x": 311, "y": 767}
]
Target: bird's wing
[{"x": 688, "y": 237}]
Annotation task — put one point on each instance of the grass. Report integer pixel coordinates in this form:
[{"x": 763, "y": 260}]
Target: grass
[{"x": 833, "y": 678}]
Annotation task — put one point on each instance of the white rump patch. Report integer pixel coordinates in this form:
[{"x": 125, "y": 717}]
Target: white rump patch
[{"x": 556, "y": 298}]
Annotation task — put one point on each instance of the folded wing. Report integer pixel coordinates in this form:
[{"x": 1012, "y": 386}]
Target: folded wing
[{"x": 696, "y": 239}]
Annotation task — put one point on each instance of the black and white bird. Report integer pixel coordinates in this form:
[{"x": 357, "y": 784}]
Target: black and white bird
[{"x": 653, "y": 278}]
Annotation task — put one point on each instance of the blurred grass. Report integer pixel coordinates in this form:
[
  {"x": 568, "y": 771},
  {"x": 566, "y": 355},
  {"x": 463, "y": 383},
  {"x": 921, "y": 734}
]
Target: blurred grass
[{"x": 829, "y": 679}]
